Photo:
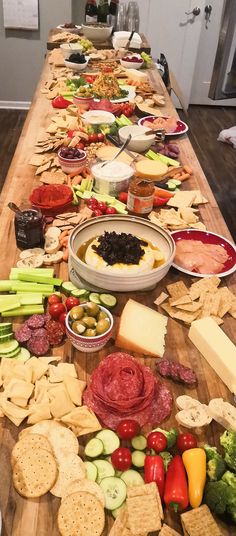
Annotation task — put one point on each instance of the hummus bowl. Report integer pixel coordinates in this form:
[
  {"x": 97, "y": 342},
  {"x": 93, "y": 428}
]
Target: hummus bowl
[{"x": 127, "y": 280}]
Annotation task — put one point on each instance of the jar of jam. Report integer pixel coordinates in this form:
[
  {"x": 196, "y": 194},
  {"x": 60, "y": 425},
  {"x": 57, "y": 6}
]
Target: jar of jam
[
  {"x": 140, "y": 196},
  {"x": 29, "y": 228}
]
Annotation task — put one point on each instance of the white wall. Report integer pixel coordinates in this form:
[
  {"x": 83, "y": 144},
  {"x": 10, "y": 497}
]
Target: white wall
[{"x": 22, "y": 52}]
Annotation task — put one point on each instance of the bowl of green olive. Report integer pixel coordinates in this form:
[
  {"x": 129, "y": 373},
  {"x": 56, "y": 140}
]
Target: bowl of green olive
[{"x": 89, "y": 326}]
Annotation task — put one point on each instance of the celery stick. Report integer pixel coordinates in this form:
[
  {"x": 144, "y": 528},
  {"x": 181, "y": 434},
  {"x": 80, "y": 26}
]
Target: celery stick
[
  {"x": 9, "y": 305},
  {"x": 43, "y": 271},
  {"x": 41, "y": 279},
  {"x": 25, "y": 310},
  {"x": 20, "y": 286},
  {"x": 29, "y": 298},
  {"x": 7, "y": 298},
  {"x": 5, "y": 285},
  {"x": 162, "y": 158}
]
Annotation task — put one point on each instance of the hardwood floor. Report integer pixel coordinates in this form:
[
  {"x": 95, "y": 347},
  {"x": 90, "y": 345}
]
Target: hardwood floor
[{"x": 218, "y": 159}]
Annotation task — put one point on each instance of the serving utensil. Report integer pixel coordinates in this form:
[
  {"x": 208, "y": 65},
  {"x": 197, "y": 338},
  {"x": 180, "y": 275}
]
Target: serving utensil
[
  {"x": 15, "y": 208},
  {"x": 119, "y": 152}
]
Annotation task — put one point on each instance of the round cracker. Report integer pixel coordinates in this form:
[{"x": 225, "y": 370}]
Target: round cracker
[
  {"x": 61, "y": 438},
  {"x": 70, "y": 468},
  {"x": 81, "y": 513},
  {"x": 35, "y": 473},
  {"x": 27, "y": 442},
  {"x": 85, "y": 485}
]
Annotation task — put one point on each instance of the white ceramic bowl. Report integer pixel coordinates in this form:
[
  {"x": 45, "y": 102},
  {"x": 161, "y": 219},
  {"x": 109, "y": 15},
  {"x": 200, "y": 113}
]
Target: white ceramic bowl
[
  {"x": 89, "y": 344},
  {"x": 77, "y": 67},
  {"x": 138, "y": 144},
  {"x": 72, "y": 48},
  {"x": 98, "y": 117},
  {"x": 118, "y": 282},
  {"x": 97, "y": 33},
  {"x": 73, "y": 165},
  {"x": 106, "y": 182},
  {"x": 80, "y": 101},
  {"x": 132, "y": 64}
]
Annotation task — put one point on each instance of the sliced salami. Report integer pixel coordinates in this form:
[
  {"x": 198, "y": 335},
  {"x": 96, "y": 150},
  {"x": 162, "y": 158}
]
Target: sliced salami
[
  {"x": 122, "y": 387},
  {"x": 40, "y": 333},
  {"x": 176, "y": 371},
  {"x": 38, "y": 346},
  {"x": 55, "y": 332},
  {"x": 36, "y": 321},
  {"x": 23, "y": 334}
]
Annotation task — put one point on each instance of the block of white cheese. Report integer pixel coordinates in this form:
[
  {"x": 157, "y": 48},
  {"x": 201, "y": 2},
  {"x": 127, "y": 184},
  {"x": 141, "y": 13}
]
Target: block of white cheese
[
  {"x": 137, "y": 76},
  {"x": 142, "y": 329},
  {"x": 217, "y": 348}
]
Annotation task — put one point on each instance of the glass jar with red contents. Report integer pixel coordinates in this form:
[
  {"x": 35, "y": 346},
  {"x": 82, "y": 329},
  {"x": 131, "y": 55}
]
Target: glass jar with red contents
[
  {"x": 29, "y": 228},
  {"x": 140, "y": 196}
]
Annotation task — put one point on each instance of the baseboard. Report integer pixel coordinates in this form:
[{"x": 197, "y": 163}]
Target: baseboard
[{"x": 15, "y": 105}]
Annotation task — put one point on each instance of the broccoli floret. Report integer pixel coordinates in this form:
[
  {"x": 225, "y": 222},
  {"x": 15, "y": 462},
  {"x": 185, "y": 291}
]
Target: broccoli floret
[
  {"x": 171, "y": 436},
  {"x": 211, "y": 452},
  {"x": 216, "y": 468},
  {"x": 230, "y": 479},
  {"x": 167, "y": 457},
  {"x": 216, "y": 496},
  {"x": 228, "y": 441}
]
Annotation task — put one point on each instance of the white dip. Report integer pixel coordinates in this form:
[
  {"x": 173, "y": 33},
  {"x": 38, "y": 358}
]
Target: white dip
[{"x": 113, "y": 171}]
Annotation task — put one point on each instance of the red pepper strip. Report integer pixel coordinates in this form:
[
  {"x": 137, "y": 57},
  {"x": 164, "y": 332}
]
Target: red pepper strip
[
  {"x": 159, "y": 201},
  {"x": 176, "y": 487},
  {"x": 154, "y": 472},
  {"x": 60, "y": 102}
]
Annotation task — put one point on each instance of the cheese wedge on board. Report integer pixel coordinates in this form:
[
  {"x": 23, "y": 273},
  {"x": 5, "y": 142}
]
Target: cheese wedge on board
[
  {"x": 136, "y": 75},
  {"x": 217, "y": 349},
  {"x": 142, "y": 329}
]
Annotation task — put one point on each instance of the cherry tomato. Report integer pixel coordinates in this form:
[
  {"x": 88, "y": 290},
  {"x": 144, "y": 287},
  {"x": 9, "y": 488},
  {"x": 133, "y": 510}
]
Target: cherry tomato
[
  {"x": 71, "y": 302},
  {"x": 128, "y": 429},
  {"x": 56, "y": 309},
  {"x": 90, "y": 79},
  {"x": 92, "y": 202},
  {"x": 123, "y": 196},
  {"x": 62, "y": 318},
  {"x": 97, "y": 212},
  {"x": 111, "y": 210},
  {"x": 102, "y": 206},
  {"x": 100, "y": 136},
  {"x": 93, "y": 138},
  {"x": 80, "y": 146},
  {"x": 54, "y": 299},
  {"x": 186, "y": 441},
  {"x": 157, "y": 441},
  {"x": 121, "y": 459}
]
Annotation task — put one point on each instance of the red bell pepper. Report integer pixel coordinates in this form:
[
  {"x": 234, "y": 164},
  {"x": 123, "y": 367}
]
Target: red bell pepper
[
  {"x": 159, "y": 201},
  {"x": 176, "y": 486},
  {"x": 60, "y": 102},
  {"x": 154, "y": 472}
]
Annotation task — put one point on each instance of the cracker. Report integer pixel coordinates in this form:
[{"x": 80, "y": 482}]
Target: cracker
[
  {"x": 34, "y": 473},
  {"x": 143, "y": 514},
  {"x": 183, "y": 300},
  {"x": 49, "y": 177},
  {"x": 70, "y": 468},
  {"x": 198, "y": 198},
  {"x": 81, "y": 513},
  {"x": 37, "y": 160},
  {"x": 168, "y": 531},
  {"x": 177, "y": 290},
  {"x": 185, "y": 316},
  {"x": 61, "y": 438},
  {"x": 161, "y": 298},
  {"x": 85, "y": 485},
  {"x": 217, "y": 319},
  {"x": 199, "y": 522},
  {"x": 191, "y": 307},
  {"x": 28, "y": 442},
  {"x": 226, "y": 300},
  {"x": 182, "y": 199},
  {"x": 208, "y": 284}
]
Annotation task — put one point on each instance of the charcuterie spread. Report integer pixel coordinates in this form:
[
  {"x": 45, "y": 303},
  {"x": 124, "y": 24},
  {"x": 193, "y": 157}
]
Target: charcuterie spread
[{"x": 117, "y": 377}]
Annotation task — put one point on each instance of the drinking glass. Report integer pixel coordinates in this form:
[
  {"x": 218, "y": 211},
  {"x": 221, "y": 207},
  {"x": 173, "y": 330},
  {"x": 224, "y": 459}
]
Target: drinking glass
[
  {"x": 132, "y": 20},
  {"x": 121, "y": 17}
]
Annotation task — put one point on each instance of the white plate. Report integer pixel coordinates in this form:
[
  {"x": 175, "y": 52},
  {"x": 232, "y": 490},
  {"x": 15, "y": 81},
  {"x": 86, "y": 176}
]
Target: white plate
[
  {"x": 75, "y": 30},
  {"x": 98, "y": 117},
  {"x": 130, "y": 96}
]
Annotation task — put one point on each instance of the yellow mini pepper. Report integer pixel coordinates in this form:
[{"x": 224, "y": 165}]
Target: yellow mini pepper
[{"x": 195, "y": 464}]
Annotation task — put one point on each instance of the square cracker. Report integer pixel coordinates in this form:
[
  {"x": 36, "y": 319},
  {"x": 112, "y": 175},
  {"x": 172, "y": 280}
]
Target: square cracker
[
  {"x": 199, "y": 522},
  {"x": 143, "y": 514},
  {"x": 168, "y": 531},
  {"x": 161, "y": 298},
  {"x": 191, "y": 307},
  {"x": 177, "y": 290},
  {"x": 177, "y": 314},
  {"x": 121, "y": 526},
  {"x": 226, "y": 300},
  {"x": 180, "y": 301},
  {"x": 182, "y": 199}
]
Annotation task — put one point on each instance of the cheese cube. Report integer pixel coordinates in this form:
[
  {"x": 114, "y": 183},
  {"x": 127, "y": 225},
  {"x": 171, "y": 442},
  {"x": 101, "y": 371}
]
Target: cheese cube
[
  {"x": 142, "y": 329},
  {"x": 217, "y": 349}
]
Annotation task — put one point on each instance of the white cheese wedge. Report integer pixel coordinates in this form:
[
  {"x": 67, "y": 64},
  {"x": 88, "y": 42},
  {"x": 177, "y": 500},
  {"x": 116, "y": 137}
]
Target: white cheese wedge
[
  {"x": 136, "y": 75},
  {"x": 217, "y": 349},
  {"x": 142, "y": 329}
]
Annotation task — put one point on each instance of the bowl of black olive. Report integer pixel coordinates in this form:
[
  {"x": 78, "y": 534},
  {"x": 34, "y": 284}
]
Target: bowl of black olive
[{"x": 77, "y": 62}]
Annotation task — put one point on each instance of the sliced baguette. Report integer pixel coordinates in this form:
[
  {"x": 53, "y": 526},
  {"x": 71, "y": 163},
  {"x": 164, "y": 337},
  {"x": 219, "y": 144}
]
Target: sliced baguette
[
  {"x": 187, "y": 402},
  {"x": 33, "y": 252},
  {"x": 52, "y": 244},
  {"x": 49, "y": 259},
  {"x": 30, "y": 262},
  {"x": 223, "y": 413},
  {"x": 194, "y": 417}
]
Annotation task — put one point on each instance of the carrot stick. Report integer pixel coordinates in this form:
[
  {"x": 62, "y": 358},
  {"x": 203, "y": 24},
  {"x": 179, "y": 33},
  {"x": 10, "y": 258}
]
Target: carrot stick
[
  {"x": 71, "y": 175},
  {"x": 160, "y": 192},
  {"x": 76, "y": 180},
  {"x": 69, "y": 181},
  {"x": 184, "y": 177},
  {"x": 177, "y": 175},
  {"x": 64, "y": 241},
  {"x": 65, "y": 254},
  {"x": 188, "y": 169}
]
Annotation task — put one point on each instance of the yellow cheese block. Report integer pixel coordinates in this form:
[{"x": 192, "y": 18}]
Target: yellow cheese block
[
  {"x": 136, "y": 75},
  {"x": 142, "y": 329},
  {"x": 217, "y": 348},
  {"x": 150, "y": 169}
]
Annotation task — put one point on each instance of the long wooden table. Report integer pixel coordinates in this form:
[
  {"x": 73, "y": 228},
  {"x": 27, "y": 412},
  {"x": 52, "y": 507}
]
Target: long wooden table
[{"x": 23, "y": 517}]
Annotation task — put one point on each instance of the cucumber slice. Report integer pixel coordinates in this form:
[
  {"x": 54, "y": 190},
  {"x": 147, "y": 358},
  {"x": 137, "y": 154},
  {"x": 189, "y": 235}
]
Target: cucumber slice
[
  {"x": 104, "y": 469},
  {"x": 138, "y": 458},
  {"x": 67, "y": 287},
  {"x": 91, "y": 471},
  {"x": 110, "y": 441},
  {"x": 23, "y": 355},
  {"x": 114, "y": 490},
  {"x": 14, "y": 353},
  {"x": 132, "y": 478},
  {"x": 139, "y": 442},
  {"x": 176, "y": 182},
  {"x": 80, "y": 293},
  {"x": 94, "y": 448},
  {"x": 116, "y": 512},
  {"x": 171, "y": 185},
  {"x": 6, "y": 337},
  {"x": 108, "y": 300},
  {"x": 95, "y": 298},
  {"x": 8, "y": 347},
  {"x": 5, "y": 327}
]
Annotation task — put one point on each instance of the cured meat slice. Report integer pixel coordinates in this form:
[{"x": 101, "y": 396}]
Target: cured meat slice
[
  {"x": 122, "y": 387},
  {"x": 23, "y": 334},
  {"x": 176, "y": 371},
  {"x": 36, "y": 321},
  {"x": 40, "y": 333},
  {"x": 38, "y": 346},
  {"x": 55, "y": 332}
]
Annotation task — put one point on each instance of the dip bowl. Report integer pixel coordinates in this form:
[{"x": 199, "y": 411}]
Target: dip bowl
[
  {"x": 99, "y": 278},
  {"x": 89, "y": 344},
  {"x": 139, "y": 141},
  {"x": 72, "y": 165},
  {"x": 72, "y": 48}
]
